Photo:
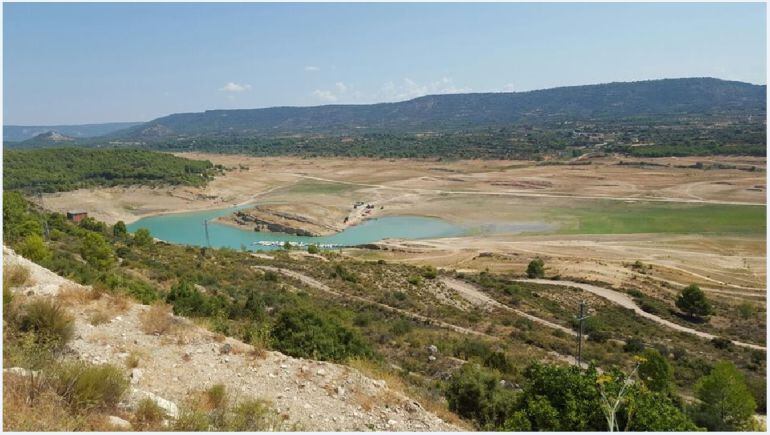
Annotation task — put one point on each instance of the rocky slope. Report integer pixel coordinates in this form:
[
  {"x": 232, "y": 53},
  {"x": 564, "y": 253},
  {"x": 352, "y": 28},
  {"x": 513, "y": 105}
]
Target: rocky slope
[{"x": 185, "y": 358}]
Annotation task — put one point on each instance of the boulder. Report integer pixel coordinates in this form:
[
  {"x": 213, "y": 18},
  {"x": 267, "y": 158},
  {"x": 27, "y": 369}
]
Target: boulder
[
  {"x": 118, "y": 423},
  {"x": 169, "y": 407}
]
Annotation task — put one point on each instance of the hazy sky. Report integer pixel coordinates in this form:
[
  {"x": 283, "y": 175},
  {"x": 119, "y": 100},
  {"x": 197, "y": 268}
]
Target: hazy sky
[{"x": 82, "y": 63}]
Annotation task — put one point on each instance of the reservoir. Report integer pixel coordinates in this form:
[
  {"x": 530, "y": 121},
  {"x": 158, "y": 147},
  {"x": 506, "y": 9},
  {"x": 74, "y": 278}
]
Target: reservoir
[{"x": 189, "y": 229}]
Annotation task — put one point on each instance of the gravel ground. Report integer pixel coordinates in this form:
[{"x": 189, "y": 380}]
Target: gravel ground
[{"x": 314, "y": 395}]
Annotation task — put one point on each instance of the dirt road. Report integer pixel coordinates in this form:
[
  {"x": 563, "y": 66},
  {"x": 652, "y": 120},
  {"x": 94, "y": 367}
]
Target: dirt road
[
  {"x": 475, "y": 296},
  {"x": 312, "y": 282},
  {"x": 626, "y": 301}
]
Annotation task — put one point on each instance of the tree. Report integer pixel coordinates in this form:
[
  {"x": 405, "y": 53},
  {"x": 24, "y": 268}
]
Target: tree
[
  {"x": 693, "y": 302},
  {"x": 119, "y": 230},
  {"x": 536, "y": 268},
  {"x": 96, "y": 251},
  {"x": 476, "y": 394},
  {"x": 726, "y": 402},
  {"x": 311, "y": 333},
  {"x": 33, "y": 248},
  {"x": 648, "y": 411},
  {"x": 571, "y": 392},
  {"x": 313, "y": 249},
  {"x": 187, "y": 300},
  {"x": 142, "y": 237},
  {"x": 655, "y": 371}
]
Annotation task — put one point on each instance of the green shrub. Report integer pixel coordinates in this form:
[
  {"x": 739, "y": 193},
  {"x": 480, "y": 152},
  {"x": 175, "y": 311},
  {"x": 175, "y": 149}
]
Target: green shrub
[
  {"x": 536, "y": 268},
  {"x": 693, "y": 302},
  {"x": 304, "y": 333},
  {"x": 313, "y": 249},
  {"x": 192, "y": 420},
  {"x": 33, "y": 247},
  {"x": 499, "y": 361},
  {"x": 476, "y": 394},
  {"x": 633, "y": 345},
  {"x": 342, "y": 272},
  {"x": 722, "y": 343},
  {"x": 429, "y": 272},
  {"x": 119, "y": 230},
  {"x": 148, "y": 414},
  {"x": 187, "y": 300},
  {"x": 86, "y": 387},
  {"x": 217, "y": 396},
  {"x": 400, "y": 327},
  {"x": 254, "y": 416},
  {"x": 655, "y": 371},
  {"x": 414, "y": 280},
  {"x": 96, "y": 251},
  {"x": 747, "y": 310},
  {"x": 726, "y": 404},
  {"x": 142, "y": 237}
]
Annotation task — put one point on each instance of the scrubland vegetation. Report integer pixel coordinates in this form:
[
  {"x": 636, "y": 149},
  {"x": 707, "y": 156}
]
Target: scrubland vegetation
[
  {"x": 62, "y": 169},
  {"x": 496, "y": 377}
]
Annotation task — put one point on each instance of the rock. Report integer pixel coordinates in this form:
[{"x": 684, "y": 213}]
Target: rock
[
  {"x": 392, "y": 422},
  {"x": 225, "y": 349},
  {"x": 169, "y": 407},
  {"x": 431, "y": 358},
  {"x": 412, "y": 407},
  {"x": 136, "y": 375},
  {"x": 321, "y": 372},
  {"x": 19, "y": 371},
  {"x": 340, "y": 390},
  {"x": 118, "y": 422},
  {"x": 433, "y": 349}
]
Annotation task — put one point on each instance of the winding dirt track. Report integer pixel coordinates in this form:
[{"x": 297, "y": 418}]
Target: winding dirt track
[
  {"x": 475, "y": 296},
  {"x": 312, "y": 282},
  {"x": 626, "y": 301}
]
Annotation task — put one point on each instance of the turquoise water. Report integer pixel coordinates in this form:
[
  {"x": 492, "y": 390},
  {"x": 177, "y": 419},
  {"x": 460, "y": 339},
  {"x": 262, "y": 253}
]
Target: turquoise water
[{"x": 188, "y": 229}]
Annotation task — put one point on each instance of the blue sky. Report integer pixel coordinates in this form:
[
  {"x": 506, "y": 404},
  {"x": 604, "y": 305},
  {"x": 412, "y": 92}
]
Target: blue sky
[{"x": 82, "y": 63}]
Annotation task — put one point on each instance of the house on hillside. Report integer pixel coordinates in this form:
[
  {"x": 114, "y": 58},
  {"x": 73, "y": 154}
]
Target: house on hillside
[{"x": 77, "y": 215}]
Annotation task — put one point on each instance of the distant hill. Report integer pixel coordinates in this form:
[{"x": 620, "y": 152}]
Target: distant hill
[
  {"x": 612, "y": 101},
  {"x": 17, "y": 133}
]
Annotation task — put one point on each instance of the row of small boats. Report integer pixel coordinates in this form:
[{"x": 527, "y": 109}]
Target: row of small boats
[{"x": 295, "y": 244}]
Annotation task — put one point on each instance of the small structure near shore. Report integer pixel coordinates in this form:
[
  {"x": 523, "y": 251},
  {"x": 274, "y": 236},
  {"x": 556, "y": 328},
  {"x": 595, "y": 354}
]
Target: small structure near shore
[{"x": 77, "y": 215}]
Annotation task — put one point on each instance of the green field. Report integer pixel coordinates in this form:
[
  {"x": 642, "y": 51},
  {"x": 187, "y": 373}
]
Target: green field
[
  {"x": 316, "y": 187},
  {"x": 613, "y": 217}
]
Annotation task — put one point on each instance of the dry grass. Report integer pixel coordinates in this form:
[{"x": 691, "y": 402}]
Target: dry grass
[
  {"x": 365, "y": 401},
  {"x": 71, "y": 295},
  {"x": 106, "y": 308},
  {"x": 133, "y": 359},
  {"x": 99, "y": 317},
  {"x": 34, "y": 406},
  {"x": 397, "y": 384},
  {"x": 16, "y": 275},
  {"x": 148, "y": 416},
  {"x": 157, "y": 320}
]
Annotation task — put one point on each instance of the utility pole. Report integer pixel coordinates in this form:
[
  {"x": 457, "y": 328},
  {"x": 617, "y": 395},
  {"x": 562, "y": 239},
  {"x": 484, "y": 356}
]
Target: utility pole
[
  {"x": 581, "y": 317},
  {"x": 206, "y": 230}
]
